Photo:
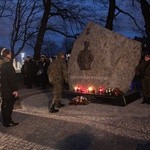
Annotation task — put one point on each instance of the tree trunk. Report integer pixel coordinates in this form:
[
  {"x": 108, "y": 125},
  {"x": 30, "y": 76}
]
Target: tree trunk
[
  {"x": 111, "y": 12},
  {"x": 42, "y": 29},
  {"x": 146, "y": 14}
]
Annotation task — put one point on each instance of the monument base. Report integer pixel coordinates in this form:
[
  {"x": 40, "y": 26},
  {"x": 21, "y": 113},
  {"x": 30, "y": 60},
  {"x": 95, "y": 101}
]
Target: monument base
[{"x": 123, "y": 100}]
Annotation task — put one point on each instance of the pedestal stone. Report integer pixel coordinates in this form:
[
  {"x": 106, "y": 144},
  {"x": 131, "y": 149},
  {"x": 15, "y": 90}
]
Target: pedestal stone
[{"x": 101, "y": 57}]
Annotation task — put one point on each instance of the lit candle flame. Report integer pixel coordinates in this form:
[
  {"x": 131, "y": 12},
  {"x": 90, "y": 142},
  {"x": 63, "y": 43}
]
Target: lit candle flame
[{"x": 90, "y": 89}]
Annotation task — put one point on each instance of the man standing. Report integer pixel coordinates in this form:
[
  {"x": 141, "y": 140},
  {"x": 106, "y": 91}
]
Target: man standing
[
  {"x": 9, "y": 89},
  {"x": 29, "y": 67},
  {"x": 57, "y": 74},
  {"x": 143, "y": 70},
  {"x": 42, "y": 67}
]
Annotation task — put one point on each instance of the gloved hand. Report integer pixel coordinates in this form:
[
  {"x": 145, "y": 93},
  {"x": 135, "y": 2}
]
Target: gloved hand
[{"x": 50, "y": 79}]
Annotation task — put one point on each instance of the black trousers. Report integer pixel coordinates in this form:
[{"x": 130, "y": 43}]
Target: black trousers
[{"x": 7, "y": 109}]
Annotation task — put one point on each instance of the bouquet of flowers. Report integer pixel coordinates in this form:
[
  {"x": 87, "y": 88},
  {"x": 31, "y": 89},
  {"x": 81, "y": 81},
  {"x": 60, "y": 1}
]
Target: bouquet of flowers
[
  {"x": 114, "y": 92},
  {"x": 79, "y": 100},
  {"x": 117, "y": 92}
]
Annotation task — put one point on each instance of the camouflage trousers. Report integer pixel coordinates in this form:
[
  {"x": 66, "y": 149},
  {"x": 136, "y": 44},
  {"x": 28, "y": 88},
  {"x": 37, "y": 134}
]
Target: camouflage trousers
[
  {"x": 146, "y": 87},
  {"x": 57, "y": 89}
]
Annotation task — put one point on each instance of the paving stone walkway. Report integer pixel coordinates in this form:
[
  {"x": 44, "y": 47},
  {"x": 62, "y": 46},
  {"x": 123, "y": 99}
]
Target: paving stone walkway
[{"x": 82, "y": 127}]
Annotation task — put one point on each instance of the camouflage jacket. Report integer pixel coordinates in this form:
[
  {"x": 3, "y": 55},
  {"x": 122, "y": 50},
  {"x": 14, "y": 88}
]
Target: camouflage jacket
[{"x": 57, "y": 70}]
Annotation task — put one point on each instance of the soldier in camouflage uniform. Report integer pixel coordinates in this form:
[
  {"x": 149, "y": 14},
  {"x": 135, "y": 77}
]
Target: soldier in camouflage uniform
[
  {"x": 57, "y": 74},
  {"x": 143, "y": 70}
]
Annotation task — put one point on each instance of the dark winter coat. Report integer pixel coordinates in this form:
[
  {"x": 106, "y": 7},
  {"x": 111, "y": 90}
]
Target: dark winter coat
[
  {"x": 8, "y": 80},
  {"x": 143, "y": 70}
]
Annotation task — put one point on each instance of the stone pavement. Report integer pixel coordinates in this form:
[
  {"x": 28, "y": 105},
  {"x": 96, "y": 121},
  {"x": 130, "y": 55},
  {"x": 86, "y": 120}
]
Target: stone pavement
[{"x": 86, "y": 127}]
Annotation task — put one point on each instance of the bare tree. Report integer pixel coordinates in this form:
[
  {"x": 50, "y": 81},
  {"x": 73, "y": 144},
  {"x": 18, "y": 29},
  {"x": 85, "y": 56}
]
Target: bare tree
[
  {"x": 49, "y": 48},
  {"x": 111, "y": 14},
  {"x": 42, "y": 29},
  {"x": 67, "y": 44},
  {"x": 145, "y": 7},
  {"x": 114, "y": 10},
  {"x": 4, "y": 7},
  {"x": 70, "y": 18},
  {"x": 111, "y": 6},
  {"x": 63, "y": 16},
  {"x": 24, "y": 19}
]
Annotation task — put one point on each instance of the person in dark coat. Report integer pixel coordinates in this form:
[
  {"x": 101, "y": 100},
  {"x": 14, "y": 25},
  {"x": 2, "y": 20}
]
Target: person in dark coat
[
  {"x": 42, "y": 72},
  {"x": 9, "y": 89},
  {"x": 29, "y": 68},
  {"x": 143, "y": 70},
  {"x": 23, "y": 72}
]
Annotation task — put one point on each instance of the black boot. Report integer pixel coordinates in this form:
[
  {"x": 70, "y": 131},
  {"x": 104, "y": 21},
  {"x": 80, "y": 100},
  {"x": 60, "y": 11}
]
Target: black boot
[
  {"x": 11, "y": 124},
  {"x": 59, "y": 105},
  {"x": 144, "y": 100},
  {"x": 52, "y": 109},
  {"x": 148, "y": 100}
]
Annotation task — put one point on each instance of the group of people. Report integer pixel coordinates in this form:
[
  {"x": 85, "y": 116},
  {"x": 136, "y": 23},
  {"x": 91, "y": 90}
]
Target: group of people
[
  {"x": 44, "y": 73},
  {"x": 35, "y": 72},
  {"x": 55, "y": 73}
]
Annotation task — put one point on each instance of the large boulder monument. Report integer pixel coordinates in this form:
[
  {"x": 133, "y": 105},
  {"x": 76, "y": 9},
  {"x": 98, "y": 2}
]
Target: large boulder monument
[{"x": 103, "y": 58}]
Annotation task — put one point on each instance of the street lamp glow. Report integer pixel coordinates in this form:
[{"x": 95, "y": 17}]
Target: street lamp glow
[{"x": 22, "y": 57}]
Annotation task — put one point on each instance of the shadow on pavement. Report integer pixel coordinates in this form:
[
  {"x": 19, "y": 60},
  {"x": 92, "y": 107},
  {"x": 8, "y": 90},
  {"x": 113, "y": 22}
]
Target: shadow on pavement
[
  {"x": 64, "y": 135},
  {"x": 80, "y": 141}
]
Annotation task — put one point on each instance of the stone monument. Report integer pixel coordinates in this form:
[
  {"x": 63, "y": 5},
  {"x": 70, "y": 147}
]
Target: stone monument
[{"x": 101, "y": 57}]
